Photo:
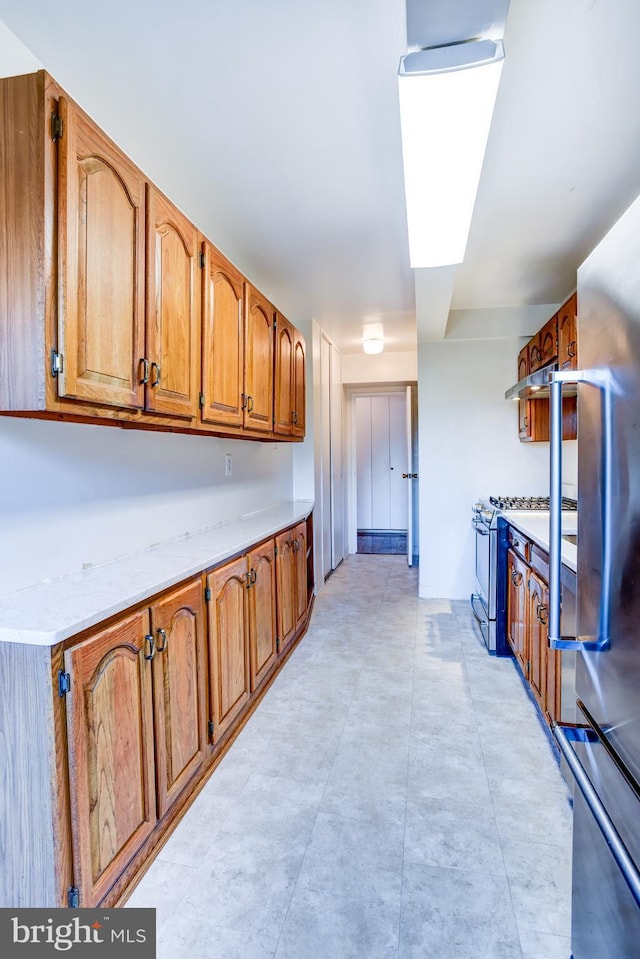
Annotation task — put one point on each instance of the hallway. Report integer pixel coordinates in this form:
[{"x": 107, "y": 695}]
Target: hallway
[{"x": 394, "y": 796}]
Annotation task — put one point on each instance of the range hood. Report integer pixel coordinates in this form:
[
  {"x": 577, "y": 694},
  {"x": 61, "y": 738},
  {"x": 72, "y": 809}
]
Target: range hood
[{"x": 535, "y": 386}]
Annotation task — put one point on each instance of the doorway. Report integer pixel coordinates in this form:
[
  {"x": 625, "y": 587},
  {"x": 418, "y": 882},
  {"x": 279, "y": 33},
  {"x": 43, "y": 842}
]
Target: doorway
[{"x": 383, "y": 477}]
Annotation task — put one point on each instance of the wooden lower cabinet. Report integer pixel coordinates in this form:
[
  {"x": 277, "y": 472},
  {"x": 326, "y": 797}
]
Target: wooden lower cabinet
[
  {"x": 291, "y": 573},
  {"x": 111, "y": 753},
  {"x": 136, "y": 728},
  {"x": 120, "y": 722},
  {"x": 261, "y": 601},
  {"x": 517, "y": 571},
  {"x": 528, "y": 631},
  {"x": 228, "y": 644}
]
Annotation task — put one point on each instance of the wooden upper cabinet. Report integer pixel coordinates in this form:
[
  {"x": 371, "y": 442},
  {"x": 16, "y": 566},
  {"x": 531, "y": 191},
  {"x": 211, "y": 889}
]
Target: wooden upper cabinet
[
  {"x": 299, "y": 385},
  {"x": 101, "y": 206},
  {"x": 261, "y": 611},
  {"x": 283, "y": 392},
  {"x": 523, "y": 362},
  {"x": 172, "y": 354},
  {"x": 179, "y": 686},
  {"x": 111, "y": 752},
  {"x": 258, "y": 361},
  {"x": 543, "y": 348},
  {"x": 222, "y": 341},
  {"x": 568, "y": 334},
  {"x": 228, "y": 647}
]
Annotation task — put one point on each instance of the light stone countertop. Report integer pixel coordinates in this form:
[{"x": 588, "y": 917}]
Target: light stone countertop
[
  {"x": 535, "y": 525},
  {"x": 55, "y": 609}
]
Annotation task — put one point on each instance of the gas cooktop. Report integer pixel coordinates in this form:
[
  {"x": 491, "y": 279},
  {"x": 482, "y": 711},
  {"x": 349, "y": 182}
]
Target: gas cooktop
[{"x": 529, "y": 502}]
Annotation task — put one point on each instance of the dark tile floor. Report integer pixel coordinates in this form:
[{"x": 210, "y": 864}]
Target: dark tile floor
[{"x": 391, "y": 543}]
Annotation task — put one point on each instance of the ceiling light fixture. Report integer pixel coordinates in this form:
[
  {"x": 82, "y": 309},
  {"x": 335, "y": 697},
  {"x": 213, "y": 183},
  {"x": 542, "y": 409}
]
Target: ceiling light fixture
[
  {"x": 372, "y": 338},
  {"x": 447, "y": 95}
]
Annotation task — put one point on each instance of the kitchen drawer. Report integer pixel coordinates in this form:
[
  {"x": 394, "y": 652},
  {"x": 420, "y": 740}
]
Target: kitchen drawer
[
  {"x": 539, "y": 562},
  {"x": 519, "y": 544}
]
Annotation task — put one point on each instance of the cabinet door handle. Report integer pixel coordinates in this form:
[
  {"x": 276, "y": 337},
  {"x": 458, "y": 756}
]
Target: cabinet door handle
[
  {"x": 152, "y": 652},
  {"x": 243, "y": 397},
  {"x": 516, "y": 577},
  {"x": 294, "y": 417},
  {"x": 571, "y": 349},
  {"x": 156, "y": 374},
  {"x": 143, "y": 363},
  {"x": 541, "y": 614},
  {"x": 162, "y": 635},
  {"x": 249, "y": 404},
  {"x": 247, "y": 579},
  {"x": 253, "y": 575}
]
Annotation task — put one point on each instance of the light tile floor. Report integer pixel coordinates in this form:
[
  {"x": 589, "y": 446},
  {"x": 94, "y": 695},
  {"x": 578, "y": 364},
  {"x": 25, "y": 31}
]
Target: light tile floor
[{"x": 394, "y": 796}]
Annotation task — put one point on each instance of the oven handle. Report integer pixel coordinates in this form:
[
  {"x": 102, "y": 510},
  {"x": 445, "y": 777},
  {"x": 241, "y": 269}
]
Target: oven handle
[
  {"x": 564, "y": 735},
  {"x": 480, "y": 619},
  {"x": 479, "y": 528}
]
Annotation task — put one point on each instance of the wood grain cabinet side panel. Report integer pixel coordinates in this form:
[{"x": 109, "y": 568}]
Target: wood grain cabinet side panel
[
  {"x": 179, "y": 690},
  {"x": 111, "y": 753},
  {"x": 173, "y": 309},
  {"x": 101, "y": 204},
  {"x": 228, "y": 643},
  {"x": 262, "y": 623}
]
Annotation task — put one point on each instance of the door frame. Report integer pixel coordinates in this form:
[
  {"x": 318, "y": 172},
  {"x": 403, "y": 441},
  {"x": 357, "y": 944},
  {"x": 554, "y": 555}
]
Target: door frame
[{"x": 373, "y": 389}]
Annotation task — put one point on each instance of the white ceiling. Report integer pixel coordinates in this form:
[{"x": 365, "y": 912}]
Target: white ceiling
[{"x": 274, "y": 124}]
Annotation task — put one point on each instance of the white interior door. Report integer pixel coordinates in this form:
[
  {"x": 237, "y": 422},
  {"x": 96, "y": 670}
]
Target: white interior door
[
  {"x": 337, "y": 480},
  {"x": 380, "y": 461},
  {"x": 325, "y": 394},
  {"x": 409, "y": 481}
]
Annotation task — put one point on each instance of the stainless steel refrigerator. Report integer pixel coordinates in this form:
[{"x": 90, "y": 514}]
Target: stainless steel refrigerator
[{"x": 604, "y": 756}]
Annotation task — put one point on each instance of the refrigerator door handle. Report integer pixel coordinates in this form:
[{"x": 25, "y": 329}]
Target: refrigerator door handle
[
  {"x": 564, "y": 735},
  {"x": 600, "y": 379}
]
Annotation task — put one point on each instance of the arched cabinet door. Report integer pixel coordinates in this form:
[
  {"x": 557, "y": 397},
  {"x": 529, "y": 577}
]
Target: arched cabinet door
[
  {"x": 286, "y": 587},
  {"x": 299, "y": 385},
  {"x": 223, "y": 399},
  {"x": 228, "y": 645},
  {"x": 179, "y": 690},
  {"x": 101, "y": 221},
  {"x": 283, "y": 393},
  {"x": 258, "y": 362},
  {"x": 172, "y": 353},
  {"x": 261, "y": 601},
  {"x": 111, "y": 752}
]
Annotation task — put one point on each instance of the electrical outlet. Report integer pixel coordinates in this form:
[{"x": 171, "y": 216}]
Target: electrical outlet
[{"x": 227, "y": 464}]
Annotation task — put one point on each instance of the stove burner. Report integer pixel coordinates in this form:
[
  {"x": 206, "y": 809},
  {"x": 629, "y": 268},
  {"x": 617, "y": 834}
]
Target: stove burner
[{"x": 529, "y": 502}]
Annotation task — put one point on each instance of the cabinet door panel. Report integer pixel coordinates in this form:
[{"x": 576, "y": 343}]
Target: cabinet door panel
[
  {"x": 173, "y": 309},
  {"x": 229, "y": 655},
  {"x": 179, "y": 690},
  {"x": 222, "y": 342},
  {"x": 568, "y": 334},
  {"x": 262, "y": 612},
  {"x": 537, "y": 637},
  {"x": 111, "y": 755},
  {"x": 259, "y": 351},
  {"x": 101, "y": 259},
  {"x": 285, "y": 581},
  {"x": 284, "y": 377},
  {"x": 300, "y": 560},
  {"x": 516, "y": 607},
  {"x": 299, "y": 386}
]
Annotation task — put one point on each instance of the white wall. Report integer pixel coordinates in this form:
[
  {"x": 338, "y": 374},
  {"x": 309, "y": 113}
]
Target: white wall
[
  {"x": 72, "y": 495},
  {"x": 469, "y": 447},
  {"x": 382, "y": 368}
]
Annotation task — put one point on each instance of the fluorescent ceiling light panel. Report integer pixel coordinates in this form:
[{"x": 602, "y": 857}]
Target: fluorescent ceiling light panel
[{"x": 447, "y": 95}]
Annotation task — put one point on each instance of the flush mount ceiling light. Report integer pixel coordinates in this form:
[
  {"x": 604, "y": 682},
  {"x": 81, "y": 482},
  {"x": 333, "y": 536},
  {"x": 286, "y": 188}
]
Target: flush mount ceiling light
[
  {"x": 447, "y": 95},
  {"x": 372, "y": 337}
]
